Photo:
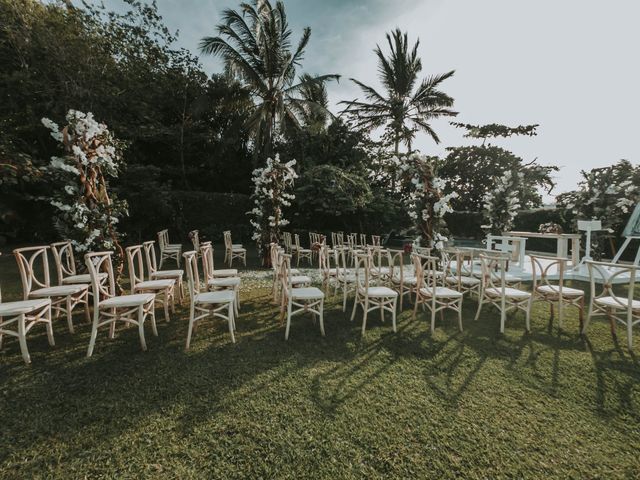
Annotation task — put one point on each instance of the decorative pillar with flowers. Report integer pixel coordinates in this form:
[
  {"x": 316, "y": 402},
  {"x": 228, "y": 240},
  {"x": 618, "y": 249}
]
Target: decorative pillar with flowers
[
  {"x": 273, "y": 185},
  {"x": 426, "y": 201},
  {"x": 502, "y": 204},
  {"x": 87, "y": 214}
]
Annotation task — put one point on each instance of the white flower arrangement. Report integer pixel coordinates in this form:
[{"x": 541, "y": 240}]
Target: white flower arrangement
[
  {"x": 86, "y": 214},
  {"x": 501, "y": 205},
  {"x": 272, "y": 185}
]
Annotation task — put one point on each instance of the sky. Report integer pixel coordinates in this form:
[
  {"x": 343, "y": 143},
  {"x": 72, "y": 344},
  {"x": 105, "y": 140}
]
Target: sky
[{"x": 571, "y": 66}]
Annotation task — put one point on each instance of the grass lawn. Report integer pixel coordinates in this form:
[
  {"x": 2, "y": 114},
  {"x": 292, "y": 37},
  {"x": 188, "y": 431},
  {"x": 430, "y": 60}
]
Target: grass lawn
[{"x": 477, "y": 404}]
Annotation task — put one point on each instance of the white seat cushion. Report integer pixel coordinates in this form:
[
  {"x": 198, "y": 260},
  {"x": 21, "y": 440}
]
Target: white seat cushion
[
  {"x": 467, "y": 281},
  {"x": 441, "y": 292},
  {"x": 173, "y": 247},
  {"x": 22, "y": 307},
  {"x": 554, "y": 289},
  {"x": 83, "y": 278},
  {"x": 509, "y": 292},
  {"x": 128, "y": 300},
  {"x": 616, "y": 302},
  {"x": 294, "y": 272},
  {"x": 59, "y": 291},
  {"x": 167, "y": 274},
  {"x": 381, "y": 292},
  {"x": 307, "y": 293},
  {"x": 298, "y": 279},
  {"x": 380, "y": 270},
  {"x": 155, "y": 284},
  {"x": 236, "y": 245},
  {"x": 224, "y": 282},
  {"x": 221, "y": 296},
  {"x": 225, "y": 272}
]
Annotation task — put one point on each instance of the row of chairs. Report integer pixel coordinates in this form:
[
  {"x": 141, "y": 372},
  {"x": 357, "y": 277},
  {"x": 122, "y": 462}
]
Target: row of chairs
[
  {"x": 173, "y": 251},
  {"x": 43, "y": 301}
]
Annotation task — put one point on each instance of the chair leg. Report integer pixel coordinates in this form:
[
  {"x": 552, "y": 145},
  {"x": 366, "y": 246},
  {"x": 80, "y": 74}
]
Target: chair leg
[
  {"x": 49, "y": 326},
  {"x": 415, "y": 307},
  {"x": 355, "y": 304},
  {"x": 230, "y": 309},
  {"x": 165, "y": 304},
  {"x": 286, "y": 331},
  {"x": 143, "y": 343},
  {"x": 480, "y": 302},
  {"x": 69, "y": 318},
  {"x": 190, "y": 328},
  {"x": 393, "y": 315},
  {"x": 433, "y": 318},
  {"x": 527, "y": 319},
  {"x": 22, "y": 339},
  {"x": 460, "y": 315},
  {"x": 364, "y": 318},
  {"x": 322, "y": 317},
  {"x": 581, "y": 313},
  {"x": 94, "y": 332}
]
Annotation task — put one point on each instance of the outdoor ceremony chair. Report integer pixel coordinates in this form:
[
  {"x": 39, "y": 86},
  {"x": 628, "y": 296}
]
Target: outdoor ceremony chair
[
  {"x": 617, "y": 308},
  {"x": 33, "y": 263},
  {"x": 300, "y": 252},
  {"x": 276, "y": 252},
  {"x": 66, "y": 266},
  {"x": 155, "y": 274},
  {"x": 109, "y": 308},
  {"x": 400, "y": 280},
  {"x": 345, "y": 276},
  {"x": 164, "y": 289},
  {"x": 369, "y": 297},
  {"x": 168, "y": 250},
  {"x": 375, "y": 241},
  {"x": 219, "y": 272},
  {"x": 379, "y": 271},
  {"x": 18, "y": 318},
  {"x": 286, "y": 239},
  {"x": 436, "y": 298},
  {"x": 233, "y": 250},
  {"x": 495, "y": 290},
  {"x": 194, "y": 235},
  {"x": 462, "y": 278},
  {"x": 328, "y": 272},
  {"x": 556, "y": 292},
  {"x": 215, "y": 283},
  {"x": 219, "y": 304},
  {"x": 299, "y": 299}
]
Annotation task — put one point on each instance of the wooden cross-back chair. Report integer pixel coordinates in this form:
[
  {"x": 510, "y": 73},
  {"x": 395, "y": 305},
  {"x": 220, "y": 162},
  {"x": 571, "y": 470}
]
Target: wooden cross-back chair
[
  {"x": 33, "y": 263},
  {"x": 369, "y": 297},
  {"x": 555, "y": 292},
  {"x": 110, "y": 309},
  {"x": 155, "y": 274},
  {"x": 18, "y": 318},
  {"x": 496, "y": 292},
  {"x": 400, "y": 278},
  {"x": 298, "y": 300},
  {"x": 215, "y": 282},
  {"x": 233, "y": 250},
  {"x": 168, "y": 250},
  {"x": 203, "y": 304},
  {"x": 624, "y": 309},
  {"x": 429, "y": 293},
  {"x": 164, "y": 289}
]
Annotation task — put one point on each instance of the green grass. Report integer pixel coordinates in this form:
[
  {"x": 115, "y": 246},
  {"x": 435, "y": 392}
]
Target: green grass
[{"x": 477, "y": 404}]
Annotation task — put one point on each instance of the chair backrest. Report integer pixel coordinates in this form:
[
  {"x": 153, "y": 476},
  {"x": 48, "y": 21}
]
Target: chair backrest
[
  {"x": 426, "y": 268},
  {"x": 227, "y": 239},
  {"x": 206, "y": 251},
  {"x": 285, "y": 272},
  {"x": 194, "y": 235},
  {"x": 286, "y": 237},
  {"x": 33, "y": 263},
  {"x": 395, "y": 260},
  {"x": 494, "y": 270},
  {"x": 100, "y": 262},
  {"x": 324, "y": 260},
  {"x": 363, "y": 239},
  {"x": 296, "y": 240},
  {"x": 542, "y": 266},
  {"x": 363, "y": 271},
  {"x": 150, "y": 256},
  {"x": 608, "y": 274},
  {"x": 193, "y": 275},
  {"x": 274, "y": 250},
  {"x": 65, "y": 261},
  {"x": 340, "y": 239},
  {"x": 163, "y": 239},
  {"x": 136, "y": 268},
  {"x": 375, "y": 240},
  {"x": 334, "y": 239}
]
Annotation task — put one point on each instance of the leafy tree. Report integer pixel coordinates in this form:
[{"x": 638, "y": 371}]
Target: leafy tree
[
  {"x": 255, "y": 45},
  {"x": 608, "y": 194},
  {"x": 406, "y": 107},
  {"x": 473, "y": 171}
]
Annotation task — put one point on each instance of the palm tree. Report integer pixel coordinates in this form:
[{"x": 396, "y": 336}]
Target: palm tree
[
  {"x": 404, "y": 109},
  {"x": 255, "y": 45}
]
